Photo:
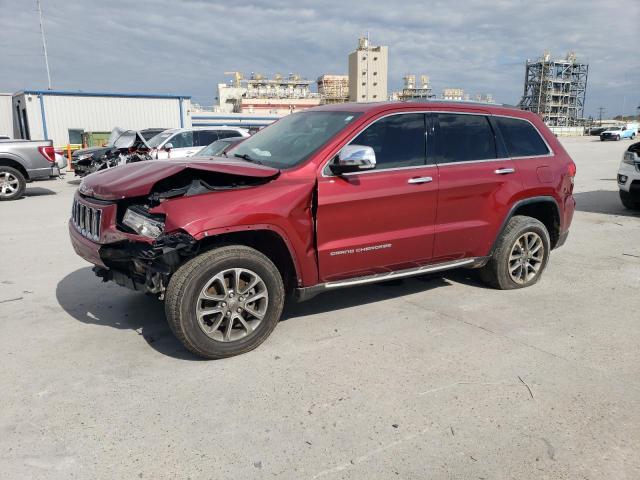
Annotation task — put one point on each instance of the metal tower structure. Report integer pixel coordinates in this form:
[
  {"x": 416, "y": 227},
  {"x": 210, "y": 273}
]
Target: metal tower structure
[{"x": 556, "y": 89}]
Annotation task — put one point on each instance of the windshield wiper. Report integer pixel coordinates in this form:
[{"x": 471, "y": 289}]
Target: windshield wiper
[{"x": 248, "y": 158}]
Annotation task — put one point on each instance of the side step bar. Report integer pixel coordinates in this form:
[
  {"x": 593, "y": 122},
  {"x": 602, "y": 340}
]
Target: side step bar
[{"x": 306, "y": 293}]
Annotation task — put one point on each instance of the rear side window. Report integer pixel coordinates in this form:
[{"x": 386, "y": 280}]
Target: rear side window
[
  {"x": 520, "y": 137},
  {"x": 228, "y": 134},
  {"x": 202, "y": 138},
  {"x": 398, "y": 140},
  {"x": 463, "y": 138}
]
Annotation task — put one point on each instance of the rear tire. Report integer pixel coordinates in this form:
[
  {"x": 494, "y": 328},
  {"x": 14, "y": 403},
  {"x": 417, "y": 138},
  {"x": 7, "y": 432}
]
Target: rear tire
[
  {"x": 12, "y": 183},
  {"x": 520, "y": 256},
  {"x": 209, "y": 303},
  {"x": 628, "y": 201}
]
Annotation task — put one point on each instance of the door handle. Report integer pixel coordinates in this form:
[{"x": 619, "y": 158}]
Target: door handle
[
  {"x": 504, "y": 171},
  {"x": 420, "y": 180}
]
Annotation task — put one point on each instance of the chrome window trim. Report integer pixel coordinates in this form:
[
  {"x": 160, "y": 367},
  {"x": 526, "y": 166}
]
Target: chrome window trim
[{"x": 330, "y": 175}]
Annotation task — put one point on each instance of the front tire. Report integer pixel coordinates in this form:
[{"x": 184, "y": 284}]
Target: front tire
[
  {"x": 225, "y": 302},
  {"x": 12, "y": 183},
  {"x": 520, "y": 256},
  {"x": 628, "y": 201}
]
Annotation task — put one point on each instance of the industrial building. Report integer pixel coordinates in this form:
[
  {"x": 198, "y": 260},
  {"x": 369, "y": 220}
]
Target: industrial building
[
  {"x": 333, "y": 88},
  {"x": 368, "y": 68},
  {"x": 269, "y": 96},
  {"x": 64, "y": 116},
  {"x": 456, "y": 94},
  {"x": 6, "y": 115},
  {"x": 412, "y": 90},
  {"x": 556, "y": 89}
]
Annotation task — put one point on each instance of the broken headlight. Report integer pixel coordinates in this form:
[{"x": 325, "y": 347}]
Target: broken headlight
[
  {"x": 630, "y": 158},
  {"x": 143, "y": 224}
]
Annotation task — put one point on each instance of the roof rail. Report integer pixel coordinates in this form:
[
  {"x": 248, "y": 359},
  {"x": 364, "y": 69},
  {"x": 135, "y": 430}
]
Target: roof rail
[{"x": 462, "y": 102}]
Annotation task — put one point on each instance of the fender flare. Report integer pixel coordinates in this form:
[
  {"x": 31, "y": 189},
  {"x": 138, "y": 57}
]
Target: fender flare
[{"x": 521, "y": 203}]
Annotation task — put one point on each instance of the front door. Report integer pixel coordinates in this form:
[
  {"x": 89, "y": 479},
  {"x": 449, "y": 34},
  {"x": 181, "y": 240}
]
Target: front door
[
  {"x": 382, "y": 219},
  {"x": 477, "y": 182}
]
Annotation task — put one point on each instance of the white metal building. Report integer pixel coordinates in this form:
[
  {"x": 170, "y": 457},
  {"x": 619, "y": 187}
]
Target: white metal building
[
  {"x": 63, "y": 116},
  {"x": 6, "y": 116}
]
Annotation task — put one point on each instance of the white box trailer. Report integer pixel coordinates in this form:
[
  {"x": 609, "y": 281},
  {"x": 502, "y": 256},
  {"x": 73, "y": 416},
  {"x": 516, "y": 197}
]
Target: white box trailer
[
  {"x": 63, "y": 116},
  {"x": 6, "y": 115}
]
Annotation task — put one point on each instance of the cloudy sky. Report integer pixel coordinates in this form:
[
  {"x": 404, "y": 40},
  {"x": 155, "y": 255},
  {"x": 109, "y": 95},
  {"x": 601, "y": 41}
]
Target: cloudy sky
[{"x": 184, "y": 46}]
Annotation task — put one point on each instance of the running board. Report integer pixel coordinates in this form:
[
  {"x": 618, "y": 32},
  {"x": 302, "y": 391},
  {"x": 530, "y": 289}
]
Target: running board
[{"x": 306, "y": 293}]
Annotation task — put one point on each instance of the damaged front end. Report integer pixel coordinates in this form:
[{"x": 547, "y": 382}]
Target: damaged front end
[
  {"x": 146, "y": 267},
  {"x": 129, "y": 146},
  {"x": 136, "y": 223}
]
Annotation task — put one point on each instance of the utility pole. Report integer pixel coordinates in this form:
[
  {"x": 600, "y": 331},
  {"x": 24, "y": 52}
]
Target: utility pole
[
  {"x": 600, "y": 111},
  {"x": 44, "y": 44}
]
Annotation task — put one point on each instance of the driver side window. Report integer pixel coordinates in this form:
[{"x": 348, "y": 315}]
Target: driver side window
[
  {"x": 397, "y": 140},
  {"x": 182, "y": 140}
]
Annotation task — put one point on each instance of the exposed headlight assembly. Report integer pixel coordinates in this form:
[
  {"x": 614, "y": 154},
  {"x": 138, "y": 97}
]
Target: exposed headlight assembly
[
  {"x": 630, "y": 158},
  {"x": 143, "y": 224}
]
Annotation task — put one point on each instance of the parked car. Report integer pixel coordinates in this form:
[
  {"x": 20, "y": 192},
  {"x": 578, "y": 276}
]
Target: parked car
[
  {"x": 596, "y": 131},
  {"x": 332, "y": 197},
  {"x": 629, "y": 178},
  {"x": 89, "y": 160},
  {"x": 23, "y": 161},
  {"x": 219, "y": 147},
  {"x": 185, "y": 142},
  {"x": 617, "y": 133}
]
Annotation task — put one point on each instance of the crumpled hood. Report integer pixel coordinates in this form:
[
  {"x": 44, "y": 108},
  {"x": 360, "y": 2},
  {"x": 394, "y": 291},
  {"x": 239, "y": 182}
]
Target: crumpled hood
[{"x": 137, "y": 179}]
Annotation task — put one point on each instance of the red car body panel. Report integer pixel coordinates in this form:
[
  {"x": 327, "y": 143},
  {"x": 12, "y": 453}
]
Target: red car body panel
[
  {"x": 459, "y": 214},
  {"x": 375, "y": 222},
  {"x": 137, "y": 179}
]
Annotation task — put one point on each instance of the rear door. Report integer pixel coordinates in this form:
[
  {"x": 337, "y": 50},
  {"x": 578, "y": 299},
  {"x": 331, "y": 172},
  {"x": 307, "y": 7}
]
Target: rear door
[
  {"x": 477, "y": 181},
  {"x": 382, "y": 219},
  {"x": 202, "y": 138}
]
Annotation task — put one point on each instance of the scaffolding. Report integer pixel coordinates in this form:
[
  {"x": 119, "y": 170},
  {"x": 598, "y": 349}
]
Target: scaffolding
[
  {"x": 333, "y": 88},
  {"x": 413, "y": 90},
  {"x": 556, "y": 89}
]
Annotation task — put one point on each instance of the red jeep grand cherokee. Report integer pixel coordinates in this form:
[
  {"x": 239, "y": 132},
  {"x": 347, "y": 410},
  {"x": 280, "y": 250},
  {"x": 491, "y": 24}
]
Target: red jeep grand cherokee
[{"x": 332, "y": 197}]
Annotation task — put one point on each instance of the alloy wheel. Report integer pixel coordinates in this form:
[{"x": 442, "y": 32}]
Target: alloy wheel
[
  {"x": 526, "y": 258},
  {"x": 9, "y": 184},
  {"x": 232, "y": 304}
]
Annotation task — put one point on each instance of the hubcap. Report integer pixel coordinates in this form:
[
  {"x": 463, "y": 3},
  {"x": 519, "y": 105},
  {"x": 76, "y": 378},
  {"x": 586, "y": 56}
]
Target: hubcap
[
  {"x": 8, "y": 184},
  {"x": 525, "y": 260},
  {"x": 232, "y": 304}
]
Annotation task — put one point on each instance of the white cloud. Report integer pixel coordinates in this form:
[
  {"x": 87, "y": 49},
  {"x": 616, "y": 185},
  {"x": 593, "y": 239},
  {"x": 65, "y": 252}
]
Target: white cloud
[{"x": 185, "y": 46}]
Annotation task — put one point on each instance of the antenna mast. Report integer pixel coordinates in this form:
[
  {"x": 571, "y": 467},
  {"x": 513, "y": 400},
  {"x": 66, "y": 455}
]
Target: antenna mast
[{"x": 44, "y": 45}]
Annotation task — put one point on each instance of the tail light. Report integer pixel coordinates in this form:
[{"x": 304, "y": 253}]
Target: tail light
[
  {"x": 571, "y": 171},
  {"x": 48, "y": 153}
]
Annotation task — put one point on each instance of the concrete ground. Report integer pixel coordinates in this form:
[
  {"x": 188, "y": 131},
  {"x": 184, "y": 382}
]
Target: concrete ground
[{"x": 433, "y": 377}]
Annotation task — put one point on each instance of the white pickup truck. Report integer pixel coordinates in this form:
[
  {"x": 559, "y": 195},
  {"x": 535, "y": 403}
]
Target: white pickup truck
[{"x": 23, "y": 161}]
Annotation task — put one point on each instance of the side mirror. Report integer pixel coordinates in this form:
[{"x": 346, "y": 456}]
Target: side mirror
[
  {"x": 168, "y": 146},
  {"x": 353, "y": 158}
]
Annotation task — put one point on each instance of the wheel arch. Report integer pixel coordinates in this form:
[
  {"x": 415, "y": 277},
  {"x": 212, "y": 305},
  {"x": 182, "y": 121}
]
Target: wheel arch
[
  {"x": 9, "y": 162},
  {"x": 265, "y": 240},
  {"x": 543, "y": 208}
]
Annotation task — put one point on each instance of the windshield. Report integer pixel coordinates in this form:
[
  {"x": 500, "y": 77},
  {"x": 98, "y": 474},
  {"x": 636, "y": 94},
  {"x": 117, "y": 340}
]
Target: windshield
[
  {"x": 292, "y": 139},
  {"x": 615, "y": 128},
  {"x": 216, "y": 148},
  {"x": 158, "y": 139},
  {"x": 149, "y": 134}
]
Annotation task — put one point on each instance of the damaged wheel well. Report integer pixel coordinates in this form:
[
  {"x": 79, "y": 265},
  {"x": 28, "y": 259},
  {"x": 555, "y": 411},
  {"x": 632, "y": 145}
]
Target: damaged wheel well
[{"x": 265, "y": 241}]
